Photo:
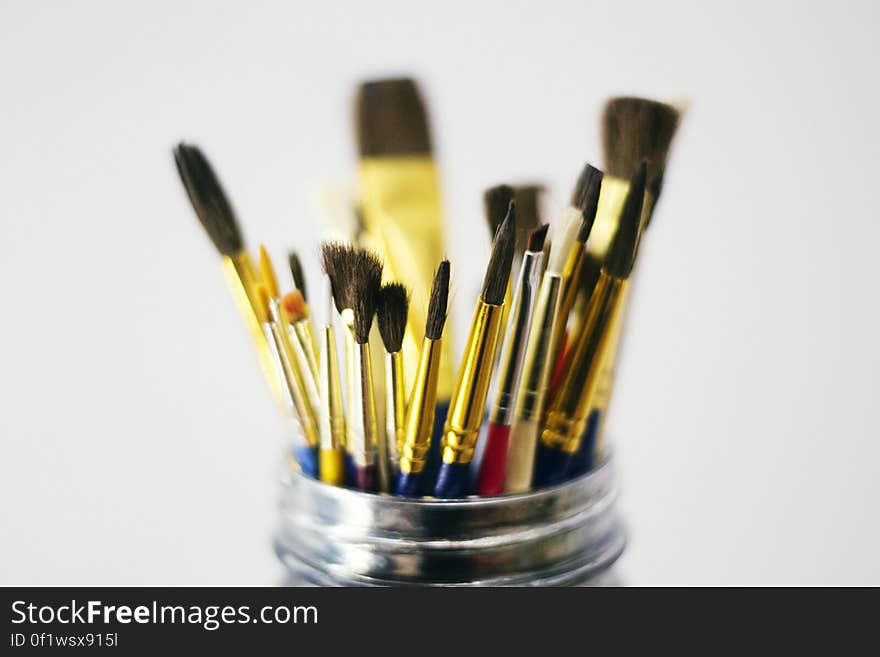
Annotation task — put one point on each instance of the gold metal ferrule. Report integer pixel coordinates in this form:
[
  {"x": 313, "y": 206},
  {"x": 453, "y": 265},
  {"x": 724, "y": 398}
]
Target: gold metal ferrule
[
  {"x": 240, "y": 276},
  {"x": 363, "y": 429},
  {"x": 513, "y": 347},
  {"x": 395, "y": 408},
  {"x": 420, "y": 415},
  {"x": 293, "y": 384},
  {"x": 567, "y": 415},
  {"x": 468, "y": 400},
  {"x": 332, "y": 416}
]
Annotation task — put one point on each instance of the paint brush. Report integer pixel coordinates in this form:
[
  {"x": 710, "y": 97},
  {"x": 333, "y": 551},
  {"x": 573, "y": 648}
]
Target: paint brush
[
  {"x": 468, "y": 401},
  {"x": 331, "y": 417},
  {"x": 302, "y": 327},
  {"x": 391, "y": 316},
  {"x": 419, "y": 426},
  {"x": 491, "y": 475}
]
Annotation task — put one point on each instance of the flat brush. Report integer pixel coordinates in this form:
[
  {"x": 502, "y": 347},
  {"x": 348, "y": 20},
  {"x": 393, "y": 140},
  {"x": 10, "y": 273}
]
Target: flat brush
[
  {"x": 468, "y": 400},
  {"x": 359, "y": 292},
  {"x": 569, "y": 411},
  {"x": 419, "y": 425},
  {"x": 217, "y": 217},
  {"x": 400, "y": 200},
  {"x": 331, "y": 417},
  {"x": 491, "y": 476},
  {"x": 634, "y": 130},
  {"x": 303, "y": 328},
  {"x": 301, "y": 398},
  {"x": 537, "y": 364},
  {"x": 391, "y": 315}
]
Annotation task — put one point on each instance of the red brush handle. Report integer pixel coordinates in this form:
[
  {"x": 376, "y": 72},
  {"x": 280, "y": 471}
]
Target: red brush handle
[
  {"x": 558, "y": 370},
  {"x": 491, "y": 478}
]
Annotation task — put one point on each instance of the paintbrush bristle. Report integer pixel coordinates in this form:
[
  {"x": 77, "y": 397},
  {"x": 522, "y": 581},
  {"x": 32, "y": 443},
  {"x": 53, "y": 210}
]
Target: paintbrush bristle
[
  {"x": 437, "y": 304},
  {"x": 635, "y": 130},
  {"x": 391, "y": 119},
  {"x": 296, "y": 271},
  {"x": 363, "y": 290},
  {"x": 498, "y": 271},
  {"x": 391, "y": 311},
  {"x": 335, "y": 258},
  {"x": 208, "y": 199},
  {"x": 585, "y": 197},
  {"x": 536, "y": 239},
  {"x": 496, "y": 201},
  {"x": 624, "y": 247},
  {"x": 295, "y": 306},
  {"x": 528, "y": 213}
]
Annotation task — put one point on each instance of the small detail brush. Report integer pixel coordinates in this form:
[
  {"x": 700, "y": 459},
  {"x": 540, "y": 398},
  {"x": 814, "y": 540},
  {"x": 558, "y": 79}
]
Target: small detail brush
[
  {"x": 391, "y": 315},
  {"x": 468, "y": 400},
  {"x": 419, "y": 426},
  {"x": 331, "y": 418},
  {"x": 491, "y": 476},
  {"x": 303, "y": 328}
]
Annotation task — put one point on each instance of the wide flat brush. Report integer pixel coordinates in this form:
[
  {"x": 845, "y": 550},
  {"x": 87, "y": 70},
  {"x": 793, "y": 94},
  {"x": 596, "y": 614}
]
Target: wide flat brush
[
  {"x": 400, "y": 200},
  {"x": 468, "y": 401},
  {"x": 491, "y": 476},
  {"x": 419, "y": 426}
]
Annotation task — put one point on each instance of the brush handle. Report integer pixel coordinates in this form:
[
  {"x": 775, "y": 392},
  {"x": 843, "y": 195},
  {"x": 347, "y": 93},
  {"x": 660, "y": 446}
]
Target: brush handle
[
  {"x": 521, "y": 456},
  {"x": 307, "y": 458},
  {"x": 453, "y": 481},
  {"x": 366, "y": 478},
  {"x": 551, "y": 466},
  {"x": 432, "y": 465},
  {"x": 410, "y": 484},
  {"x": 491, "y": 478},
  {"x": 331, "y": 466}
]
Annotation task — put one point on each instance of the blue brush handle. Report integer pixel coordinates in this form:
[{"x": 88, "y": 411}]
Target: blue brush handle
[
  {"x": 410, "y": 484},
  {"x": 307, "y": 457},
  {"x": 453, "y": 481},
  {"x": 350, "y": 471},
  {"x": 583, "y": 459},
  {"x": 551, "y": 466},
  {"x": 432, "y": 463}
]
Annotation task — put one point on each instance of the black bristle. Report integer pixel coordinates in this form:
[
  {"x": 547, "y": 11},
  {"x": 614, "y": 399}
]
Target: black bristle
[
  {"x": 208, "y": 199},
  {"x": 437, "y": 305},
  {"x": 391, "y": 310},
  {"x": 581, "y": 194},
  {"x": 589, "y": 204},
  {"x": 336, "y": 259},
  {"x": 536, "y": 239},
  {"x": 624, "y": 247},
  {"x": 391, "y": 119},
  {"x": 528, "y": 213},
  {"x": 363, "y": 291},
  {"x": 635, "y": 130},
  {"x": 496, "y": 201},
  {"x": 296, "y": 271},
  {"x": 498, "y": 271}
]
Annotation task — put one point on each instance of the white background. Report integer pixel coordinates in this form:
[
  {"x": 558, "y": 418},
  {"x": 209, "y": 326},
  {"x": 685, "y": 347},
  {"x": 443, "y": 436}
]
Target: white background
[{"x": 139, "y": 444}]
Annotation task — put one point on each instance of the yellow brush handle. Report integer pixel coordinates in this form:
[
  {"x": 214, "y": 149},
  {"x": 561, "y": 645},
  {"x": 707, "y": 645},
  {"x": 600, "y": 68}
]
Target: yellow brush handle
[
  {"x": 521, "y": 456},
  {"x": 331, "y": 466}
]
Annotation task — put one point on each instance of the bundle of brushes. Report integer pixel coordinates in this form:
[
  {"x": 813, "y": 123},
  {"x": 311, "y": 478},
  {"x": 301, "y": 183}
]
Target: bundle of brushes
[{"x": 545, "y": 332}]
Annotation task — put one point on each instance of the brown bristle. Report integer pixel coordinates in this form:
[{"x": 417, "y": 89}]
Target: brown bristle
[
  {"x": 437, "y": 304},
  {"x": 294, "y": 305},
  {"x": 391, "y": 310},
  {"x": 536, "y": 239},
  {"x": 391, "y": 119},
  {"x": 363, "y": 290},
  {"x": 208, "y": 199},
  {"x": 635, "y": 130},
  {"x": 585, "y": 196},
  {"x": 498, "y": 271},
  {"x": 296, "y": 271},
  {"x": 528, "y": 213},
  {"x": 336, "y": 258},
  {"x": 624, "y": 247},
  {"x": 496, "y": 201}
]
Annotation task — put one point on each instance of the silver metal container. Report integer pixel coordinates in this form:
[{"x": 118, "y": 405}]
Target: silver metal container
[{"x": 568, "y": 535}]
